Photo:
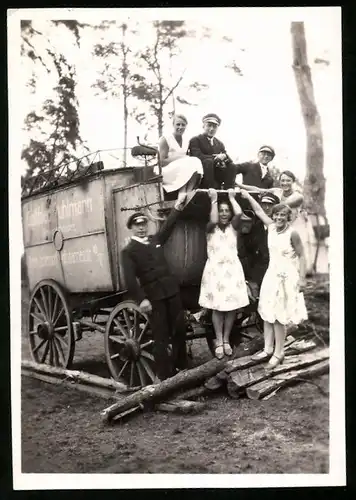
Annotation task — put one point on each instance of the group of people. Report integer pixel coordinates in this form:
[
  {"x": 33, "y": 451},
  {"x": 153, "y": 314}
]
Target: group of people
[{"x": 269, "y": 253}]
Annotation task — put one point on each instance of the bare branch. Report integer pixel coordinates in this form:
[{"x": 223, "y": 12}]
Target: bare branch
[{"x": 173, "y": 88}]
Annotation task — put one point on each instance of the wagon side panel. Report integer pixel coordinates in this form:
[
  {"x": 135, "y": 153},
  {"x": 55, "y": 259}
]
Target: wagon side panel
[
  {"x": 39, "y": 217},
  {"x": 81, "y": 222},
  {"x": 129, "y": 197}
]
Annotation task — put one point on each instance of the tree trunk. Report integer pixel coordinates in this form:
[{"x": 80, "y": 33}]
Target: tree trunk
[
  {"x": 314, "y": 183},
  {"x": 152, "y": 394},
  {"x": 265, "y": 387},
  {"x": 125, "y": 90}
]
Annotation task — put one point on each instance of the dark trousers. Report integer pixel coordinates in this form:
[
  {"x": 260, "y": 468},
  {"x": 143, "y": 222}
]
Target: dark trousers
[
  {"x": 168, "y": 326},
  {"x": 218, "y": 177}
]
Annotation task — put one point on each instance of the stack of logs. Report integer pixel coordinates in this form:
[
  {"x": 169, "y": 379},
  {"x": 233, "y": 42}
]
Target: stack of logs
[{"x": 241, "y": 377}]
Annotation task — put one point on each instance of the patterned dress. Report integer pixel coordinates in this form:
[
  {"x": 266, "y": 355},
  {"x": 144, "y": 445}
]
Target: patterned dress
[
  {"x": 280, "y": 299},
  {"x": 178, "y": 172},
  {"x": 223, "y": 286}
]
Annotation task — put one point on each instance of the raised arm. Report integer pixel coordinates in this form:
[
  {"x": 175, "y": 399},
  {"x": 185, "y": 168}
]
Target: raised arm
[
  {"x": 214, "y": 214},
  {"x": 261, "y": 214},
  {"x": 166, "y": 229},
  {"x": 299, "y": 250},
  {"x": 246, "y": 187},
  {"x": 294, "y": 200},
  {"x": 235, "y": 207}
]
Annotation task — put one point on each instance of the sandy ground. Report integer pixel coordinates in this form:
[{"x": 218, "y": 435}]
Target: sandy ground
[{"x": 62, "y": 432}]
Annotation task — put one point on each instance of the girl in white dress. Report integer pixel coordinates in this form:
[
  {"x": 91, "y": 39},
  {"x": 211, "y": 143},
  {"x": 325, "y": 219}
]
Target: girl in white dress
[
  {"x": 281, "y": 300},
  {"x": 223, "y": 286},
  {"x": 180, "y": 172}
]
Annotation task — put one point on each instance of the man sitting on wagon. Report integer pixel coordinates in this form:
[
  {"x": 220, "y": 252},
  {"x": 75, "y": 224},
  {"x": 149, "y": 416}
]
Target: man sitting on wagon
[
  {"x": 219, "y": 170},
  {"x": 158, "y": 291}
]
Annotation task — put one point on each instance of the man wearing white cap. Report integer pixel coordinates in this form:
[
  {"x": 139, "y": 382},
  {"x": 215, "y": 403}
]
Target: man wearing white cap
[
  {"x": 219, "y": 170},
  {"x": 257, "y": 173}
]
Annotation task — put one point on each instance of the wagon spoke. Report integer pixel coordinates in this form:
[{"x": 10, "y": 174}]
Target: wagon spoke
[
  {"x": 38, "y": 346},
  {"x": 127, "y": 321},
  {"x": 40, "y": 308},
  {"x": 135, "y": 325},
  {"x": 50, "y": 310},
  {"x": 147, "y": 355},
  {"x": 60, "y": 350},
  {"x": 132, "y": 373},
  {"x": 32, "y": 332},
  {"x": 50, "y": 352},
  {"x": 146, "y": 344},
  {"x": 58, "y": 316},
  {"x": 143, "y": 331},
  {"x": 114, "y": 356},
  {"x": 45, "y": 353},
  {"x": 40, "y": 320},
  {"x": 54, "y": 311},
  {"x": 148, "y": 369},
  {"x": 61, "y": 328},
  {"x": 122, "y": 369},
  {"x": 55, "y": 353},
  {"x": 61, "y": 340},
  {"x": 117, "y": 339},
  {"x": 141, "y": 374},
  {"x": 44, "y": 301},
  {"x": 119, "y": 327}
]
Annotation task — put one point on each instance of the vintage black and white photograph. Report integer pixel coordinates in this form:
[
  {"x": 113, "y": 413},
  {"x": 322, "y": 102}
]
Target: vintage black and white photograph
[{"x": 176, "y": 245}]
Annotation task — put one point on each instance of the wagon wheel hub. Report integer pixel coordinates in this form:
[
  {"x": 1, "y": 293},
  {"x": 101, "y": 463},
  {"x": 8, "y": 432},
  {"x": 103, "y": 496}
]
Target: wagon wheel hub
[
  {"x": 130, "y": 350},
  {"x": 45, "y": 330}
]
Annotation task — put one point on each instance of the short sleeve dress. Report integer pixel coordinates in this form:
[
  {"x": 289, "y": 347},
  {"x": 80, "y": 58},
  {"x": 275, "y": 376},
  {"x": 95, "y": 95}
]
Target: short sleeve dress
[
  {"x": 280, "y": 299},
  {"x": 178, "y": 172},
  {"x": 223, "y": 286}
]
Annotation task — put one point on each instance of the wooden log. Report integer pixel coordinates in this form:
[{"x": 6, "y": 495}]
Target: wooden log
[
  {"x": 194, "y": 393},
  {"x": 181, "y": 406},
  {"x": 240, "y": 379},
  {"x": 213, "y": 383},
  {"x": 75, "y": 375},
  {"x": 153, "y": 393},
  {"x": 261, "y": 389}
]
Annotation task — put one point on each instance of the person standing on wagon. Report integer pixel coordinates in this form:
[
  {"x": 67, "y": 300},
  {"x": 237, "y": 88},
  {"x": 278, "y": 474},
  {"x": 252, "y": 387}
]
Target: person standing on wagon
[
  {"x": 157, "y": 292},
  {"x": 223, "y": 286},
  {"x": 218, "y": 167},
  {"x": 256, "y": 173},
  {"x": 281, "y": 300}
]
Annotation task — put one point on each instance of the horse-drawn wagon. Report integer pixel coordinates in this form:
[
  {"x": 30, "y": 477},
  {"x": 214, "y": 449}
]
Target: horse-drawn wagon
[{"x": 74, "y": 228}]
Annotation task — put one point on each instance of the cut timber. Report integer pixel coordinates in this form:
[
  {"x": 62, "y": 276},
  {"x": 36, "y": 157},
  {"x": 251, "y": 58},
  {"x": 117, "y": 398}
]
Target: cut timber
[
  {"x": 153, "y": 393},
  {"x": 181, "y": 406},
  {"x": 213, "y": 383},
  {"x": 261, "y": 389},
  {"x": 240, "y": 379},
  {"x": 85, "y": 378}
]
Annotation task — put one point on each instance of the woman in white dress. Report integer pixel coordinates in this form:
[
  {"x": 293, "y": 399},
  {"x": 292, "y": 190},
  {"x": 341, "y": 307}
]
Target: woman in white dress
[
  {"x": 180, "y": 172},
  {"x": 223, "y": 286},
  {"x": 281, "y": 300}
]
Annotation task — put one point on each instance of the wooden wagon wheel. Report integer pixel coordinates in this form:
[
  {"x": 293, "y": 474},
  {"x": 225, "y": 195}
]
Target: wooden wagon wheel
[
  {"x": 129, "y": 345},
  {"x": 50, "y": 327}
]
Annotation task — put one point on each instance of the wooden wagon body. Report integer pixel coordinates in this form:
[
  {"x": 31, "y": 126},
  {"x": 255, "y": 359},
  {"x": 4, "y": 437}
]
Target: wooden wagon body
[{"x": 73, "y": 236}]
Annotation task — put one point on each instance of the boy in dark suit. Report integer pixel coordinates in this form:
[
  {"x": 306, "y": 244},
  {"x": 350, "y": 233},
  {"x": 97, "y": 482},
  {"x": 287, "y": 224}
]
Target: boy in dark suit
[
  {"x": 158, "y": 292},
  {"x": 219, "y": 170},
  {"x": 257, "y": 173}
]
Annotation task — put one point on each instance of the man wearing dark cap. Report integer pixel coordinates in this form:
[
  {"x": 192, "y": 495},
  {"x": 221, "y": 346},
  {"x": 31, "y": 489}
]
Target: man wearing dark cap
[
  {"x": 157, "y": 292},
  {"x": 219, "y": 170},
  {"x": 253, "y": 246},
  {"x": 257, "y": 173}
]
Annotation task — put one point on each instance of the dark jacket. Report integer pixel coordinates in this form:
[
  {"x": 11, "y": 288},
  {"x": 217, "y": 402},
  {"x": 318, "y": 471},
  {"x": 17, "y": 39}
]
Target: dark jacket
[
  {"x": 253, "y": 252},
  {"x": 252, "y": 175},
  {"x": 147, "y": 263},
  {"x": 201, "y": 147}
]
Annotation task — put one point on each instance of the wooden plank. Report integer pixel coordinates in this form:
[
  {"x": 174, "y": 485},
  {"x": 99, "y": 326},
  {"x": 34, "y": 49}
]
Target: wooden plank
[
  {"x": 261, "y": 389},
  {"x": 241, "y": 379},
  {"x": 181, "y": 406}
]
